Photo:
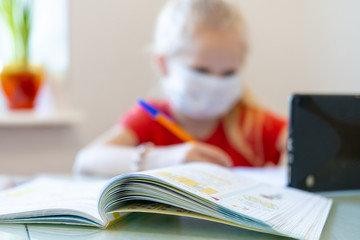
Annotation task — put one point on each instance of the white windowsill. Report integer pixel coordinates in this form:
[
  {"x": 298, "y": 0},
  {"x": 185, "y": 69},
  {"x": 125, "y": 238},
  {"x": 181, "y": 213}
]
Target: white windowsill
[{"x": 64, "y": 117}]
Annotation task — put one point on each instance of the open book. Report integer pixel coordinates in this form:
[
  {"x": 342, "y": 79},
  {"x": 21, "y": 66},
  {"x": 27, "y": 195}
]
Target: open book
[{"x": 198, "y": 190}]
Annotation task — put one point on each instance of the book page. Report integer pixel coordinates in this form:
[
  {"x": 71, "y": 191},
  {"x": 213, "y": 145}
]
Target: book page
[
  {"x": 286, "y": 210},
  {"x": 276, "y": 176},
  {"x": 52, "y": 197},
  {"x": 160, "y": 208}
]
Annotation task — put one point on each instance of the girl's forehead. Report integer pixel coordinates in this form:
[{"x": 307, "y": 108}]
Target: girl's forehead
[{"x": 214, "y": 47}]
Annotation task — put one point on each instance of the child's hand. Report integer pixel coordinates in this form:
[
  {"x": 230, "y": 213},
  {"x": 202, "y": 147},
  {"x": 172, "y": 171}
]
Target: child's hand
[
  {"x": 186, "y": 152},
  {"x": 203, "y": 152}
]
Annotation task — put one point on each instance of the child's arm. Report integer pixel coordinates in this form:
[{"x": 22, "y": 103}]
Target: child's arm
[
  {"x": 116, "y": 152},
  {"x": 112, "y": 153}
]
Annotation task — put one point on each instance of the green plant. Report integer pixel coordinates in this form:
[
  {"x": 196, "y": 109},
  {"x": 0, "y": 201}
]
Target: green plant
[{"x": 17, "y": 16}]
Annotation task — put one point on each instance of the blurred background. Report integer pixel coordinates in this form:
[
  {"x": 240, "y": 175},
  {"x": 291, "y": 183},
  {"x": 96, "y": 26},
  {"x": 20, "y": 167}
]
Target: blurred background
[{"x": 104, "y": 65}]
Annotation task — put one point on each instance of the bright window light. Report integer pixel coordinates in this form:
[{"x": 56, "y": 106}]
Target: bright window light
[{"x": 49, "y": 37}]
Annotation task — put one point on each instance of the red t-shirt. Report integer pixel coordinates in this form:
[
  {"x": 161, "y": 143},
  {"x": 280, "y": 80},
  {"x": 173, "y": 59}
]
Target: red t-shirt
[{"x": 149, "y": 130}]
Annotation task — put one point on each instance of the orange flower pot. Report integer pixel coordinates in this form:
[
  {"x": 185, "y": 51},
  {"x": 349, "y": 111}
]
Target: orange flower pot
[{"x": 21, "y": 85}]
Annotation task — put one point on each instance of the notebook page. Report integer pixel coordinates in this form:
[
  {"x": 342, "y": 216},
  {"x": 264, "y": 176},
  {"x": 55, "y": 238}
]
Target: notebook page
[
  {"x": 272, "y": 205},
  {"x": 50, "y": 196},
  {"x": 276, "y": 176}
]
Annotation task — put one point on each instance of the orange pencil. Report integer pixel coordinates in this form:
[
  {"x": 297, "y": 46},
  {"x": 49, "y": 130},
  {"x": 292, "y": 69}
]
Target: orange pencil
[{"x": 166, "y": 122}]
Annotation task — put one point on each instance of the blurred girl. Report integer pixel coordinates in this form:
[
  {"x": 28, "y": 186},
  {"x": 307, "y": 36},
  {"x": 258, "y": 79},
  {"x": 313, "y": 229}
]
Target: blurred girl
[{"x": 200, "y": 47}]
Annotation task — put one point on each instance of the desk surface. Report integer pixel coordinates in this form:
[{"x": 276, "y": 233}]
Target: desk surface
[{"x": 342, "y": 223}]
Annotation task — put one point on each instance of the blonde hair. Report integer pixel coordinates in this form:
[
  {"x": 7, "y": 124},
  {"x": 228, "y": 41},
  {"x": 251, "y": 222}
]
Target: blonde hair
[
  {"x": 180, "y": 20},
  {"x": 177, "y": 24}
]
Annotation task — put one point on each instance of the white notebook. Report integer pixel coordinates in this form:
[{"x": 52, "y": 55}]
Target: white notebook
[{"x": 198, "y": 190}]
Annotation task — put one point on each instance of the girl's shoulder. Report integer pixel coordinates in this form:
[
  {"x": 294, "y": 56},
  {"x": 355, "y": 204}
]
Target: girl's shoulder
[
  {"x": 140, "y": 122},
  {"x": 252, "y": 119},
  {"x": 162, "y": 105},
  {"x": 264, "y": 115}
]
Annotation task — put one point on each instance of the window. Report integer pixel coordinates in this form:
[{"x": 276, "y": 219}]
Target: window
[
  {"x": 49, "y": 38},
  {"x": 48, "y": 46}
]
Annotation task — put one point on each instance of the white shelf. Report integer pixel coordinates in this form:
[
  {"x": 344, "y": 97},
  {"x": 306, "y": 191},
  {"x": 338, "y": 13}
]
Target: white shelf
[{"x": 32, "y": 118}]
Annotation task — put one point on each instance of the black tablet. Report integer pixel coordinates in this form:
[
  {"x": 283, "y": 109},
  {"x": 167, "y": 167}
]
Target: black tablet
[{"x": 324, "y": 142}]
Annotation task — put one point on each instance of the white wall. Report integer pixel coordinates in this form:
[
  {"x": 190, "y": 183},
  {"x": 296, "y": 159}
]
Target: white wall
[
  {"x": 110, "y": 62},
  {"x": 298, "y": 45},
  {"x": 302, "y": 46}
]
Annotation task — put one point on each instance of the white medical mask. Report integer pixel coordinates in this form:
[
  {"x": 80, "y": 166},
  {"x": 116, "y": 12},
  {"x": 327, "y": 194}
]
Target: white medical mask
[{"x": 201, "y": 95}]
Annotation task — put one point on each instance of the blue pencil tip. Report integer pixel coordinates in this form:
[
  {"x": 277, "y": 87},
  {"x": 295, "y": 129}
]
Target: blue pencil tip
[{"x": 148, "y": 108}]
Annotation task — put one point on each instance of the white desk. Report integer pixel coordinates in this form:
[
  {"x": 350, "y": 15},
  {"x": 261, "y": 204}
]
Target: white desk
[{"x": 343, "y": 223}]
